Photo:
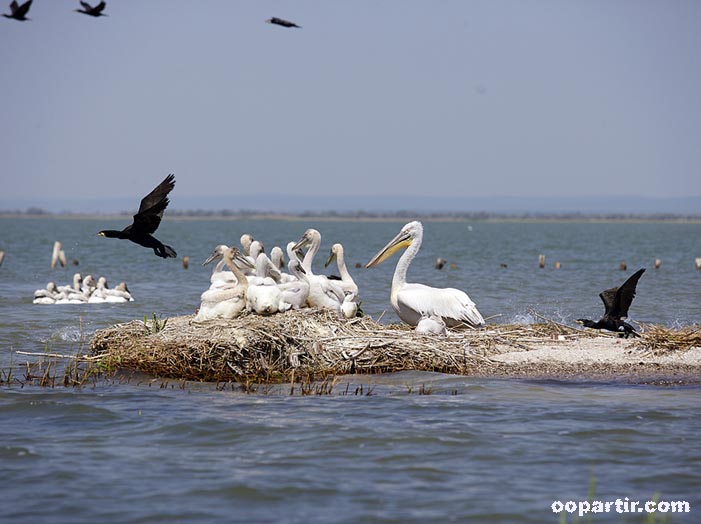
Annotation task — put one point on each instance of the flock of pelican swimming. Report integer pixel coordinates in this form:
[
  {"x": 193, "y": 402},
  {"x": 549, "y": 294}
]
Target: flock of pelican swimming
[
  {"x": 246, "y": 279},
  {"x": 83, "y": 291}
]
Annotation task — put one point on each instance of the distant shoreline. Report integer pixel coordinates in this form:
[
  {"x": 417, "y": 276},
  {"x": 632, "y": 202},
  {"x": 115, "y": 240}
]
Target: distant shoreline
[{"x": 402, "y": 216}]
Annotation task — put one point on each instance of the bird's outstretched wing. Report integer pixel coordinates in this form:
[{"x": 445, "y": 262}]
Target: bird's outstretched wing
[
  {"x": 22, "y": 10},
  {"x": 625, "y": 294},
  {"x": 86, "y": 5},
  {"x": 608, "y": 297},
  {"x": 99, "y": 7},
  {"x": 617, "y": 300},
  {"x": 152, "y": 206}
]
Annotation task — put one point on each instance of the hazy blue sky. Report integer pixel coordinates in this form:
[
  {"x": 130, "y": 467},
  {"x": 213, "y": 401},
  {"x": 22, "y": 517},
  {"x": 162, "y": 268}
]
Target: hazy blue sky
[{"x": 437, "y": 98}]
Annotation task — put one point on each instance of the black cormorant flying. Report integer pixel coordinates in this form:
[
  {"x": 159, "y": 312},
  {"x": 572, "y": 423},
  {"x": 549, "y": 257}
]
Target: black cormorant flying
[
  {"x": 148, "y": 218},
  {"x": 19, "y": 12},
  {"x": 284, "y": 23},
  {"x": 92, "y": 11},
  {"x": 616, "y": 300}
]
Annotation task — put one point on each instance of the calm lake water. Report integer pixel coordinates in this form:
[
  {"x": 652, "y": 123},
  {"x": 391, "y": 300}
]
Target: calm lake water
[{"x": 474, "y": 450}]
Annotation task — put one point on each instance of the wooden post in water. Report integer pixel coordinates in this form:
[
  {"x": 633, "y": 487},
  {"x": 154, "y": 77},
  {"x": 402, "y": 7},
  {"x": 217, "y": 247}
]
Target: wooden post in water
[
  {"x": 623, "y": 266},
  {"x": 658, "y": 263},
  {"x": 186, "y": 262},
  {"x": 698, "y": 263},
  {"x": 558, "y": 265},
  {"x": 541, "y": 261},
  {"x": 2, "y": 257},
  {"x": 58, "y": 255},
  {"x": 440, "y": 262}
]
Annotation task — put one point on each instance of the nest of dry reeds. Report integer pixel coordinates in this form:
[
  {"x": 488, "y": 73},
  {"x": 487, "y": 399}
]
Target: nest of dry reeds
[
  {"x": 305, "y": 343},
  {"x": 658, "y": 340}
]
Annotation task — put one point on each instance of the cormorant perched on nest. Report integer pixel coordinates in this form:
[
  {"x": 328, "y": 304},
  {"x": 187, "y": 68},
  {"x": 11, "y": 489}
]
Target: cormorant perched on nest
[
  {"x": 19, "y": 12},
  {"x": 284, "y": 23},
  {"x": 148, "y": 218},
  {"x": 616, "y": 300},
  {"x": 92, "y": 11}
]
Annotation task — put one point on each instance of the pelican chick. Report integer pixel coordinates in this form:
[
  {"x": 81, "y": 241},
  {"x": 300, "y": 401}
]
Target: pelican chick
[
  {"x": 246, "y": 241},
  {"x": 220, "y": 277},
  {"x": 263, "y": 296},
  {"x": 48, "y": 295},
  {"x": 349, "y": 306},
  {"x": 75, "y": 288},
  {"x": 412, "y": 302},
  {"x": 346, "y": 283},
  {"x": 99, "y": 294},
  {"x": 119, "y": 294},
  {"x": 431, "y": 326},
  {"x": 295, "y": 292},
  {"x": 323, "y": 293},
  {"x": 229, "y": 302}
]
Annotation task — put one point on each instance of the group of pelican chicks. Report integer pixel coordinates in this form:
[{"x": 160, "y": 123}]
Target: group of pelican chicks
[
  {"x": 258, "y": 283},
  {"x": 83, "y": 291}
]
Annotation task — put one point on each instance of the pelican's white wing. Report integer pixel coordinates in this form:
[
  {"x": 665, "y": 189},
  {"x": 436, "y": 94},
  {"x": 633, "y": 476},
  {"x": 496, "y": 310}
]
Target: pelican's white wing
[{"x": 452, "y": 305}]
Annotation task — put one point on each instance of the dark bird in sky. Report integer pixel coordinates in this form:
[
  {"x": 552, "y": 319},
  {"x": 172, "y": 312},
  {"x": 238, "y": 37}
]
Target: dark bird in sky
[
  {"x": 19, "y": 12},
  {"x": 92, "y": 11},
  {"x": 284, "y": 23},
  {"x": 147, "y": 220},
  {"x": 616, "y": 300}
]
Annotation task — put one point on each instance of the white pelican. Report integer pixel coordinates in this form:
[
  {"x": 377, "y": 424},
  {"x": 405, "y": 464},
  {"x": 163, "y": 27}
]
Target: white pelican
[
  {"x": 431, "y": 326},
  {"x": 220, "y": 277},
  {"x": 246, "y": 241},
  {"x": 277, "y": 257},
  {"x": 349, "y": 306},
  {"x": 412, "y": 302},
  {"x": 346, "y": 283},
  {"x": 295, "y": 292},
  {"x": 73, "y": 294},
  {"x": 263, "y": 296},
  {"x": 99, "y": 294},
  {"x": 88, "y": 285},
  {"x": 323, "y": 293},
  {"x": 48, "y": 295},
  {"x": 228, "y": 302},
  {"x": 75, "y": 288},
  {"x": 119, "y": 294}
]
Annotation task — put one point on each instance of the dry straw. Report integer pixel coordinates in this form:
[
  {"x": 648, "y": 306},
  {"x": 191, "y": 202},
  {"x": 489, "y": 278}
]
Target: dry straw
[
  {"x": 307, "y": 344},
  {"x": 658, "y": 340}
]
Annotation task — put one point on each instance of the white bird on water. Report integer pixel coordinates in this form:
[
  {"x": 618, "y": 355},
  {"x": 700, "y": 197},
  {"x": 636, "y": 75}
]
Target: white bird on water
[{"x": 414, "y": 302}]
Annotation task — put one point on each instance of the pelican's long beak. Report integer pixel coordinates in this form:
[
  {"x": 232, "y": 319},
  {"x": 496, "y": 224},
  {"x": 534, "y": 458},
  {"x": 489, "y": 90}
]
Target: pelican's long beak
[
  {"x": 301, "y": 243},
  {"x": 240, "y": 257},
  {"x": 402, "y": 240},
  {"x": 332, "y": 257},
  {"x": 215, "y": 254}
]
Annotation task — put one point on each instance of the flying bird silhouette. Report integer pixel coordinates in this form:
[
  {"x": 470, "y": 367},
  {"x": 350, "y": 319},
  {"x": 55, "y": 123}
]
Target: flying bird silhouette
[
  {"x": 616, "y": 301},
  {"x": 92, "y": 11},
  {"x": 284, "y": 23},
  {"x": 147, "y": 220},
  {"x": 19, "y": 12}
]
